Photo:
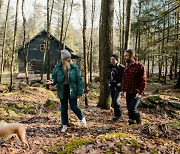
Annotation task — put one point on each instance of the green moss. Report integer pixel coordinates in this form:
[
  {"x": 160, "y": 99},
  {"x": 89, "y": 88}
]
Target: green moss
[
  {"x": 135, "y": 144},
  {"x": 155, "y": 98},
  {"x": 114, "y": 135},
  {"x": 68, "y": 148},
  {"x": 50, "y": 104},
  {"x": 175, "y": 124},
  {"x": 109, "y": 152},
  {"x": 120, "y": 144}
]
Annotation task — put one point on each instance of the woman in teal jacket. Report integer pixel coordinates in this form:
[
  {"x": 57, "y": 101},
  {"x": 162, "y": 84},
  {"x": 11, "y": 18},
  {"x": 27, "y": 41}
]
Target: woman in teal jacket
[{"x": 67, "y": 76}]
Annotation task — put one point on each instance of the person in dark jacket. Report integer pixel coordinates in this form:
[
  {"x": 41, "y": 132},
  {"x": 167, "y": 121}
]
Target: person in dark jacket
[
  {"x": 133, "y": 83},
  {"x": 67, "y": 76},
  {"x": 115, "y": 73}
]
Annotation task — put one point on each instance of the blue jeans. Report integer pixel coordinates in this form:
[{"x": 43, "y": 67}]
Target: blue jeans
[
  {"x": 73, "y": 105},
  {"x": 115, "y": 90},
  {"x": 132, "y": 104}
]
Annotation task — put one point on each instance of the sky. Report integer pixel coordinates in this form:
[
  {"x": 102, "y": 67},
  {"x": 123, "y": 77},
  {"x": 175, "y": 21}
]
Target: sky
[{"x": 76, "y": 19}]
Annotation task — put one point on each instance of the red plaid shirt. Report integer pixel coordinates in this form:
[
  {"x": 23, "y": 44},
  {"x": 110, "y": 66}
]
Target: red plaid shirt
[{"x": 134, "y": 78}]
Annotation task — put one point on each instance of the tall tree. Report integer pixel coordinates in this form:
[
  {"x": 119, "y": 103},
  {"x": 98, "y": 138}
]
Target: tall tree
[
  {"x": 66, "y": 29},
  {"x": 14, "y": 47},
  {"x": 62, "y": 21},
  {"x": 24, "y": 47},
  {"x": 4, "y": 42},
  {"x": 105, "y": 50},
  {"x": 48, "y": 43},
  {"x": 92, "y": 39},
  {"x": 85, "y": 52},
  {"x": 128, "y": 18}
]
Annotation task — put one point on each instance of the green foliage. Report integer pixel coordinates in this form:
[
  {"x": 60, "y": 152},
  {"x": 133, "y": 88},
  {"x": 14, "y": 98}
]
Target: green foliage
[{"x": 68, "y": 148}]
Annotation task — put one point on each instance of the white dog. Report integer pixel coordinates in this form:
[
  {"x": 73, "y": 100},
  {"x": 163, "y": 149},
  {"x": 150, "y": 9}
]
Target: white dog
[{"x": 14, "y": 128}]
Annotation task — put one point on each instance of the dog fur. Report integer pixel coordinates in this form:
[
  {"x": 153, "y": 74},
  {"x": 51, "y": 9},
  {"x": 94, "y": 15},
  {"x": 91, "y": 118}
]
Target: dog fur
[{"x": 14, "y": 128}]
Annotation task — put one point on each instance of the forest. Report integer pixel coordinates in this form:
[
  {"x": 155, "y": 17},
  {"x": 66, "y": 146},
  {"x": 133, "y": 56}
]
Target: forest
[{"x": 33, "y": 34}]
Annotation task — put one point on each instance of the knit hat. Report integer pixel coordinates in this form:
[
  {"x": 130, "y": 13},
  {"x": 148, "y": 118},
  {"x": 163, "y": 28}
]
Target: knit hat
[
  {"x": 65, "y": 54},
  {"x": 115, "y": 56}
]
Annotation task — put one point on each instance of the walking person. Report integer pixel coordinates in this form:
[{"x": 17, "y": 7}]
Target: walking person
[
  {"x": 133, "y": 83},
  {"x": 67, "y": 76},
  {"x": 115, "y": 72}
]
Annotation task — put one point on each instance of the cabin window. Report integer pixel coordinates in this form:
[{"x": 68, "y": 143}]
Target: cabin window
[{"x": 42, "y": 47}]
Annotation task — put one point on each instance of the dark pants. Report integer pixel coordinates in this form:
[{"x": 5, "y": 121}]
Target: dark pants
[
  {"x": 73, "y": 105},
  {"x": 115, "y": 90},
  {"x": 132, "y": 104}
]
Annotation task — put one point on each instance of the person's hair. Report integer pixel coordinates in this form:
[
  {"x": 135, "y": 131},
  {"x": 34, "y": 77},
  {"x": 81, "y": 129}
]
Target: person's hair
[
  {"x": 66, "y": 65},
  {"x": 131, "y": 52}
]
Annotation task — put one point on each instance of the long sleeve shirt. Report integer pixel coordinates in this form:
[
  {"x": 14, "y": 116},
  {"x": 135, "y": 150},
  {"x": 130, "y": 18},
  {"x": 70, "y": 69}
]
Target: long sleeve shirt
[{"x": 134, "y": 78}]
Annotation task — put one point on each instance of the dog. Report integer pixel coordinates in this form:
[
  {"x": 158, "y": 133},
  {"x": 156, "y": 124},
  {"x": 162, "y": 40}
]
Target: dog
[{"x": 14, "y": 128}]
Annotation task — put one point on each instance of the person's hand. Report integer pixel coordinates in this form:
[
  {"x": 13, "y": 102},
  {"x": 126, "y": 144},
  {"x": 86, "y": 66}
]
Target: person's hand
[
  {"x": 109, "y": 85},
  {"x": 121, "y": 93},
  {"x": 49, "y": 82},
  {"x": 138, "y": 96},
  {"x": 119, "y": 84}
]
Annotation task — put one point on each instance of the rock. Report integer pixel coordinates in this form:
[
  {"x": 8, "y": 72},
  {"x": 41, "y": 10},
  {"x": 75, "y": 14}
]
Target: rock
[
  {"x": 36, "y": 85},
  {"x": 22, "y": 85},
  {"x": 51, "y": 103},
  {"x": 174, "y": 103}
]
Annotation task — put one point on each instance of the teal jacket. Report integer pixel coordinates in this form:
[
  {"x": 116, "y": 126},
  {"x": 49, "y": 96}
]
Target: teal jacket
[{"x": 75, "y": 80}]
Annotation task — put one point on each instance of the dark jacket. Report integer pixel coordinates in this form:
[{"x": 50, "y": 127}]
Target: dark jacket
[
  {"x": 115, "y": 74},
  {"x": 75, "y": 80}
]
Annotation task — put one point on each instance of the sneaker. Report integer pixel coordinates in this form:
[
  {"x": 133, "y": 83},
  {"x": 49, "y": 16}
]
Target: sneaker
[
  {"x": 83, "y": 122},
  {"x": 63, "y": 130}
]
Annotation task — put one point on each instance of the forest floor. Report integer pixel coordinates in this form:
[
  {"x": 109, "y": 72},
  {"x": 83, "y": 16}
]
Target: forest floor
[{"x": 158, "y": 133}]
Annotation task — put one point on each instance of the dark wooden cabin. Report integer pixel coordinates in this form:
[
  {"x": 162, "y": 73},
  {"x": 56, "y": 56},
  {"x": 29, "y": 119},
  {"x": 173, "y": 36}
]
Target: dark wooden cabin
[{"x": 35, "y": 51}]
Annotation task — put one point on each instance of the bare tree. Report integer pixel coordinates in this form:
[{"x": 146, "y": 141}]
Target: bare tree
[
  {"x": 128, "y": 17},
  {"x": 48, "y": 43},
  {"x": 105, "y": 50},
  {"x": 52, "y": 6},
  {"x": 24, "y": 47},
  {"x": 85, "y": 53},
  {"x": 65, "y": 33},
  {"x": 14, "y": 47},
  {"x": 62, "y": 21},
  {"x": 4, "y": 42},
  {"x": 91, "y": 39}
]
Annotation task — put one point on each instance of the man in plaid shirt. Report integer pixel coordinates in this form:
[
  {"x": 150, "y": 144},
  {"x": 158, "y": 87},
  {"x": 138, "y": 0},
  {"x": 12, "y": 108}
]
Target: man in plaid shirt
[{"x": 133, "y": 83}]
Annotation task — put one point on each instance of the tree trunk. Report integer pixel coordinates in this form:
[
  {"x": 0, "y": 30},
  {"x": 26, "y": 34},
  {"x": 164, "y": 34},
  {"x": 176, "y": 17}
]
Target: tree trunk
[
  {"x": 24, "y": 47},
  {"x": 4, "y": 42},
  {"x": 177, "y": 48},
  {"x": 62, "y": 21},
  {"x": 171, "y": 68},
  {"x": 14, "y": 47},
  {"x": 48, "y": 45},
  {"x": 128, "y": 18},
  {"x": 105, "y": 50},
  {"x": 65, "y": 33},
  {"x": 91, "y": 40},
  {"x": 52, "y": 6},
  {"x": 85, "y": 53},
  {"x": 166, "y": 54},
  {"x": 123, "y": 32}
]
